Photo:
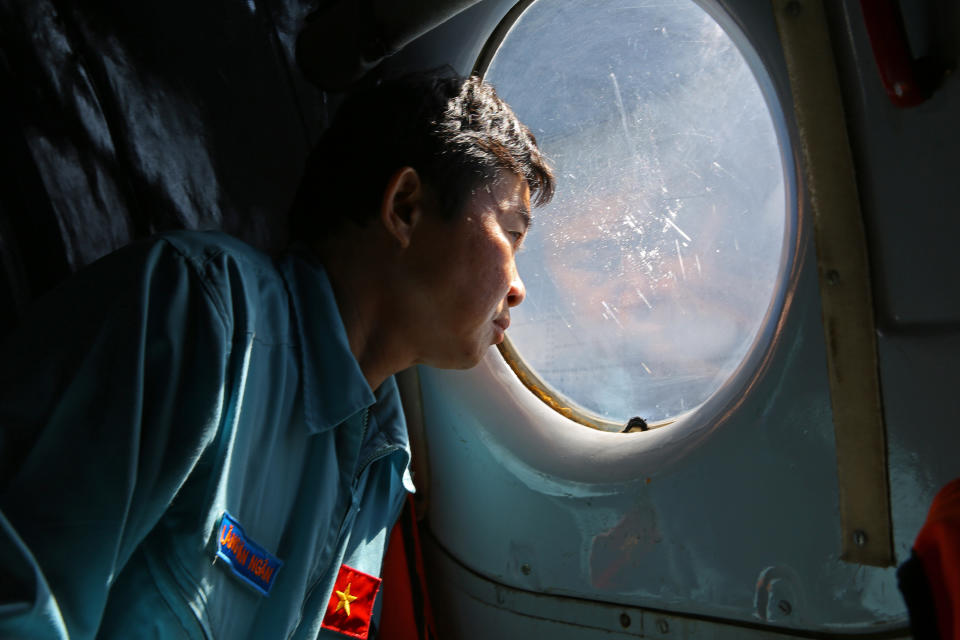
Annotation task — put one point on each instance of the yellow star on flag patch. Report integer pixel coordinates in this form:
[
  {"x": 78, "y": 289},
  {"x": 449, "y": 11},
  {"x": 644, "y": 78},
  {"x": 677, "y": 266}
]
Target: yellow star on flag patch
[
  {"x": 351, "y": 603},
  {"x": 345, "y": 599}
]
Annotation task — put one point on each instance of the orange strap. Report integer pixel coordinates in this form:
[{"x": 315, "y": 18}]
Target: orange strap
[{"x": 406, "y": 613}]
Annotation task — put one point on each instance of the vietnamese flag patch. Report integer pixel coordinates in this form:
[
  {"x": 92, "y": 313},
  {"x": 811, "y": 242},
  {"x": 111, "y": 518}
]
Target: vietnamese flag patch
[{"x": 351, "y": 603}]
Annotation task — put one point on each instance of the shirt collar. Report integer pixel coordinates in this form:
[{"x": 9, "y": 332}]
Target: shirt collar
[{"x": 334, "y": 387}]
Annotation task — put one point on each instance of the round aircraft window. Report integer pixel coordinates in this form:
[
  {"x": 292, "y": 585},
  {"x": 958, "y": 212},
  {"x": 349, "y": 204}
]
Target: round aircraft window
[{"x": 652, "y": 273}]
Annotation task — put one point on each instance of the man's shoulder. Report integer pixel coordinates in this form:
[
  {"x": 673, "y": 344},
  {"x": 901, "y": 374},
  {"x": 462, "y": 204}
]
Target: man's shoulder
[
  {"x": 221, "y": 261},
  {"x": 202, "y": 247},
  {"x": 247, "y": 284}
]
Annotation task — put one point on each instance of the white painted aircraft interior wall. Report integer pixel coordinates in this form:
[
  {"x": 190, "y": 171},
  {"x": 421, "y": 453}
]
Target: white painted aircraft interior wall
[{"x": 726, "y": 522}]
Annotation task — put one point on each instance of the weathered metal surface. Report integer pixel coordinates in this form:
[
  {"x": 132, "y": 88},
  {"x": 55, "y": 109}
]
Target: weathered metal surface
[{"x": 845, "y": 287}]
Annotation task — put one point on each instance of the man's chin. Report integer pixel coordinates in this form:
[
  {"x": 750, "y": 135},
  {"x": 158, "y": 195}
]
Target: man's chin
[
  {"x": 471, "y": 361},
  {"x": 464, "y": 360}
]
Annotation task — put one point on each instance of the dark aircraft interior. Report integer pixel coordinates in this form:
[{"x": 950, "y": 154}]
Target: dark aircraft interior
[{"x": 728, "y": 403}]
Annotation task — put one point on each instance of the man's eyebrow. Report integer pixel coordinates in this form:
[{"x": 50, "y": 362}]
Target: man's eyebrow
[
  {"x": 523, "y": 210},
  {"x": 525, "y": 216}
]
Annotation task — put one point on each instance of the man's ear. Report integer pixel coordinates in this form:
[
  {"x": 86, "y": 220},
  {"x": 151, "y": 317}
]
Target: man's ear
[{"x": 402, "y": 204}]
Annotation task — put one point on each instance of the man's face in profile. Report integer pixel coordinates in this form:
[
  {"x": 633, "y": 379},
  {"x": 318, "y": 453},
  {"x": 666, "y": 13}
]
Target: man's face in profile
[{"x": 467, "y": 274}]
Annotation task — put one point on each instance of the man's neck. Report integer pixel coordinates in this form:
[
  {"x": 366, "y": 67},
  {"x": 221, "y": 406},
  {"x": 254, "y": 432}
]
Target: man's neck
[{"x": 365, "y": 303}]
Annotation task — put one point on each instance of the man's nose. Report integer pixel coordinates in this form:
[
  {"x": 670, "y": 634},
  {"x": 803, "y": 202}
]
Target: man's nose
[{"x": 517, "y": 291}]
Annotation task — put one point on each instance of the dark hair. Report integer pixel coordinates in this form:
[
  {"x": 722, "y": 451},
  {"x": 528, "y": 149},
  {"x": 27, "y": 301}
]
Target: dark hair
[{"x": 455, "y": 132}]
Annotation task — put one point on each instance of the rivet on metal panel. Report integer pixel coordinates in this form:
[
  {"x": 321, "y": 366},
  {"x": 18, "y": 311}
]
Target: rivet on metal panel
[
  {"x": 624, "y": 620},
  {"x": 793, "y": 9},
  {"x": 525, "y": 569},
  {"x": 779, "y": 590},
  {"x": 860, "y": 538},
  {"x": 663, "y": 626}
]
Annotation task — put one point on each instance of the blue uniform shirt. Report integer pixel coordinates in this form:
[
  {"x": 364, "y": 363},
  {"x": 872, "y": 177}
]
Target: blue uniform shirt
[{"x": 161, "y": 387}]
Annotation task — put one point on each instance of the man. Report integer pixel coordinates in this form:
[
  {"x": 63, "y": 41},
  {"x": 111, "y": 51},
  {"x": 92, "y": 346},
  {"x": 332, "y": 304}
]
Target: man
[{"x": 197, "y": 440}]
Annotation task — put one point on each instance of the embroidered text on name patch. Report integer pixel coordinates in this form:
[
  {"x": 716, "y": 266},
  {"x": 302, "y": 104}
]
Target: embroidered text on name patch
[{"x": 247, "y": 560}]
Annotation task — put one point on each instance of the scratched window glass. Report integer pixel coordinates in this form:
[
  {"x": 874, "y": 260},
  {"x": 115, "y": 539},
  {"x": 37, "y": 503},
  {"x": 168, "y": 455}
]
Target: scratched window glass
[{"x": 651, "y": 273}]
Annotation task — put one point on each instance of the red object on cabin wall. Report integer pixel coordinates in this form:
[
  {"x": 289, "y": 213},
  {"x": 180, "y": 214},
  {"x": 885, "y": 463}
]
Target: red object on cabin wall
[{"x": 905, "y": 85}]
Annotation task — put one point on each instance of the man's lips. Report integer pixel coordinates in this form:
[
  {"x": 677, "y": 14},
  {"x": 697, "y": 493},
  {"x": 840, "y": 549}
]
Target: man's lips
[{"x": 501, "y": 324}]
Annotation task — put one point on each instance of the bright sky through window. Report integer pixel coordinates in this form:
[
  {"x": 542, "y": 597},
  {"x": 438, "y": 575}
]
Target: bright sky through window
[{"x": 650, "y": 274}]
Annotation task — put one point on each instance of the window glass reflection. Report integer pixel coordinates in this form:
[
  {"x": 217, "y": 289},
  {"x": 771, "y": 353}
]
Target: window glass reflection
[{"x": 649, "y": 275}]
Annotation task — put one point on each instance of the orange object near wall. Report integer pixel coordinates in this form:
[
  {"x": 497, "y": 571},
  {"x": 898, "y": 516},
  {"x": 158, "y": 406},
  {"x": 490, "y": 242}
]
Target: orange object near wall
[
  {"x": 406, "y": 613},
  {"x": 938, "y": 547}
]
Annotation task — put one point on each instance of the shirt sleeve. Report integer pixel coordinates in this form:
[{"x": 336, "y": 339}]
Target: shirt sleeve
[{"x": 109, "y": 396}]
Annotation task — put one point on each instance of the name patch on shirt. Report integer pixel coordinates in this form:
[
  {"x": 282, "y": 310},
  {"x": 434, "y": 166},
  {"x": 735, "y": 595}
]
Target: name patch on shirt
[{"x": 247, "y": 560}]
